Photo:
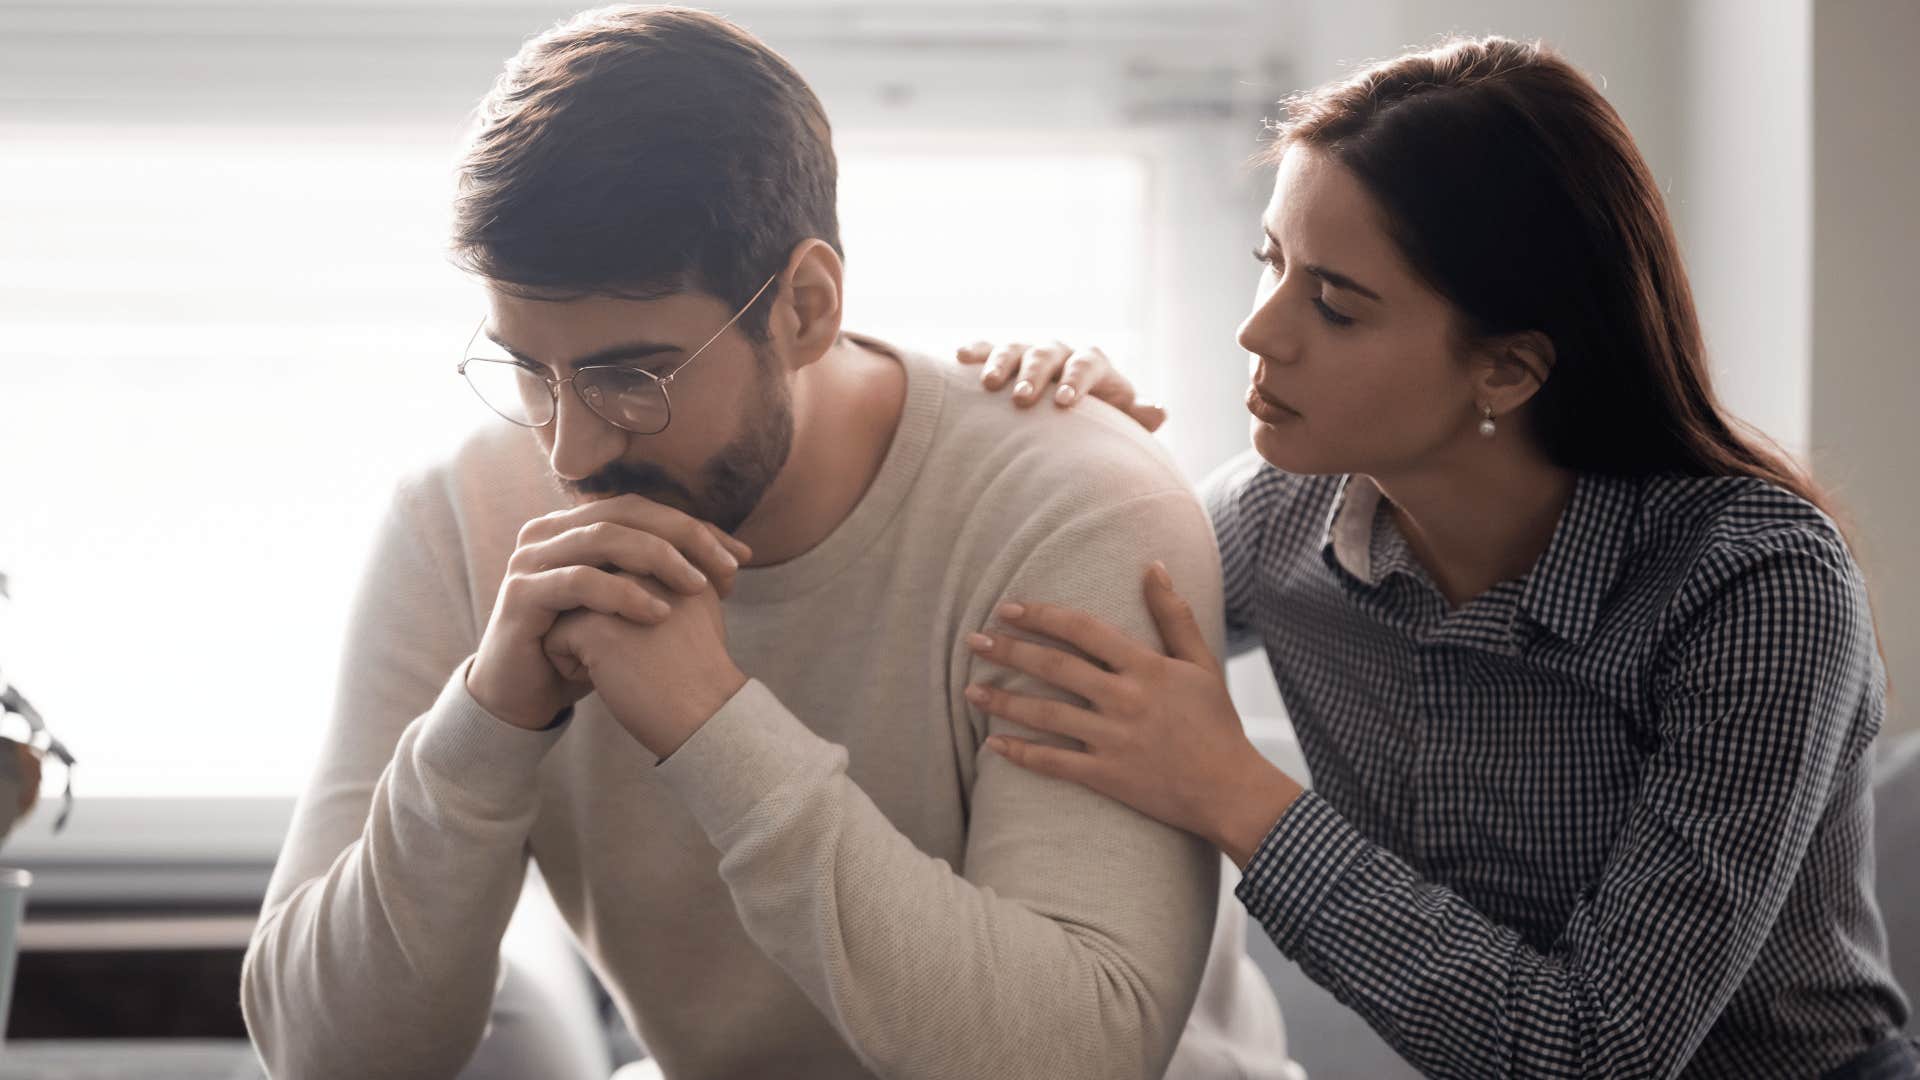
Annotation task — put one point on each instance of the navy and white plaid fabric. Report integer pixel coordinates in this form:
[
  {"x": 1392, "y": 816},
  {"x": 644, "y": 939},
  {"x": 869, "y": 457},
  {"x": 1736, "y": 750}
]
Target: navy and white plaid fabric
[{"x": 1612, "y": 819}]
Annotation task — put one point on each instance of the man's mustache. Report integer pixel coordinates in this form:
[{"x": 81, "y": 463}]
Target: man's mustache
[{"x": 622, "y": 479}]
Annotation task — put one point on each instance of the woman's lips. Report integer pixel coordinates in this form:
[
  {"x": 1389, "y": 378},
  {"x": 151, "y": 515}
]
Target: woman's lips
[{"x": 1267, "y": 410}]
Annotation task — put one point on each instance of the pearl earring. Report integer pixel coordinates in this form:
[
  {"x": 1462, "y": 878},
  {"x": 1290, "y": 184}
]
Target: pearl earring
[{"x": 1486, "y": 421}]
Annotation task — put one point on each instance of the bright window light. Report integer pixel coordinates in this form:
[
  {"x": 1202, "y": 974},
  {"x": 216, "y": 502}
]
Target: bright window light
[{"x": 223, "y": 346}]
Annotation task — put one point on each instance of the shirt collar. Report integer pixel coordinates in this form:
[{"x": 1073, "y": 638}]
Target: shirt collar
[
  {"x": 1348, "y": 537},
  {"x": 1565, "y": 589},
  {"x": 1362, "y": 542}
]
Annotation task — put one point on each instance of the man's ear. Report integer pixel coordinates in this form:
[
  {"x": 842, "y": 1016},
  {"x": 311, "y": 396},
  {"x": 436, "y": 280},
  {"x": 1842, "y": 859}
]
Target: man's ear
[
  {"x": 806, "y": 316},
  {"x": 1511, "y": 368}
]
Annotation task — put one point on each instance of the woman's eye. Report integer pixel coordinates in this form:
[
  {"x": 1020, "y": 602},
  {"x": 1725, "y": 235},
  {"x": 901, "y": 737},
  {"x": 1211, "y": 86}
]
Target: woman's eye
[
  {"x": 1331, "y": 315},
  {"x": 1267, "y": 257}
]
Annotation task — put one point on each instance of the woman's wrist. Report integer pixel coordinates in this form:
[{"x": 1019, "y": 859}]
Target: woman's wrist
[{"x": 1251, "y": 809}]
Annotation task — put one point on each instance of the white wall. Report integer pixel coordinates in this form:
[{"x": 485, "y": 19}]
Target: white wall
[
  {"x": 1745, "y": 191},
  {"x": 1631, "y": 46},
  {"x": 1865, "y": 314}
]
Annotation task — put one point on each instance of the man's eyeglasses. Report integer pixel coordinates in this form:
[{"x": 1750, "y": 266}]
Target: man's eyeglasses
[{"x": 626, "y": 397}]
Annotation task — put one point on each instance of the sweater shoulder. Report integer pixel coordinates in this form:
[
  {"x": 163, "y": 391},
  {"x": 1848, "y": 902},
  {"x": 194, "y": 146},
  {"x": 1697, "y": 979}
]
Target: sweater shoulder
[{"x": 1042, "y": 458}]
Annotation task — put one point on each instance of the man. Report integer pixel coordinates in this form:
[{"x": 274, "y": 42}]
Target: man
[{"x": 699, "y": 645}]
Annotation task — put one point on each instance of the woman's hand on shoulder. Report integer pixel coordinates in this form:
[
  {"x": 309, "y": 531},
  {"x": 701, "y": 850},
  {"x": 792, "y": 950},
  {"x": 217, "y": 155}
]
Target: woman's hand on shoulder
[{"x": 1061, "y": 372}]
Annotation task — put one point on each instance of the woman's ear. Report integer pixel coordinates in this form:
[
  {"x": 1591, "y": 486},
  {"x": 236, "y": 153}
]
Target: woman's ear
[
  {"x": 806, "y": 318},
  {"x": 1511, "y": 369}
]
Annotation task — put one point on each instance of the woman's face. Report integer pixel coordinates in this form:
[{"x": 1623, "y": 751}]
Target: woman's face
[{"x": 1355, "y": 363}]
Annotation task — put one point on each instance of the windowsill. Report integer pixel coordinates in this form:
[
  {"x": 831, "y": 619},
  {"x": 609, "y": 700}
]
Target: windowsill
[
  {"x": 132, "y": 854},
  {"x": 120, "y": 933}
]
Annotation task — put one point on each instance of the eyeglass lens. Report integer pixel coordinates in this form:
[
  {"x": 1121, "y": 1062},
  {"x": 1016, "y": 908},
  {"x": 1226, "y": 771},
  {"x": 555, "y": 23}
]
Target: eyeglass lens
[{"x": 624, "y": 397}]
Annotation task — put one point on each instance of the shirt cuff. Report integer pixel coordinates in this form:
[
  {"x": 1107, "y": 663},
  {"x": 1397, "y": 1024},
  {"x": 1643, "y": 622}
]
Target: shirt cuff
[
  {"x": 1304, "y": 856},
  {"x": 741, "y": 753},
  {"x": 483, "y": 756}
]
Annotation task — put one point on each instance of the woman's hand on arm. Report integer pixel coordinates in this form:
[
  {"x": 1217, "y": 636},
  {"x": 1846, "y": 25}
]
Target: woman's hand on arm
[
  {"x": 1161, "y": 735},
  {"x": 1034, "y": 370}
]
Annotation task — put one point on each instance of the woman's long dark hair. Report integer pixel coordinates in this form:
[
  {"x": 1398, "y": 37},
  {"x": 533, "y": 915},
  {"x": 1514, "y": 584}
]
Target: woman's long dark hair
[{"x": 1514, "y": 189}]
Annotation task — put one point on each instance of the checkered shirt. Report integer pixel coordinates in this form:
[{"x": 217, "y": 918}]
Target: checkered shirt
[{"x": 1609, "y": 819}]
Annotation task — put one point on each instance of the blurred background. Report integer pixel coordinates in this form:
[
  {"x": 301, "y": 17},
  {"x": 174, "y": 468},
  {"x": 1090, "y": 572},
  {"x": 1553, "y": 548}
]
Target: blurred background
[{"x": 227, "y": 323}]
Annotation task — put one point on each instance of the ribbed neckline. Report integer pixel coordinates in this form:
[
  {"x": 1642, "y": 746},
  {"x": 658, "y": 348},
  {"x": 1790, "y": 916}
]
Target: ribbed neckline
[{"x": 919, "y": 418}]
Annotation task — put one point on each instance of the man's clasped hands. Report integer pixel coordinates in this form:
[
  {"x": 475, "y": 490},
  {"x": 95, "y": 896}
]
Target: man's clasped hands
[{"x": 620, "y": 595}]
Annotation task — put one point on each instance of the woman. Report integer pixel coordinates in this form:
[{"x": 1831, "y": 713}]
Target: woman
[{"x": 1584, "y": 675}]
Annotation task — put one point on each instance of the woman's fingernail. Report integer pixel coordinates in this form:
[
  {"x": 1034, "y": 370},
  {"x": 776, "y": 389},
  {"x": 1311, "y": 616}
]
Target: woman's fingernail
[
  {"x": 1011, "y": 611},
  {"x": 1065, "y": 395},
  {"x": 979, "y": 642},
  {"x": 1023, "y": 389},
  {"x": 1160, "y": 577},
  {"x": 976, "y": 694},
  {"x": 997, "y": 744}
]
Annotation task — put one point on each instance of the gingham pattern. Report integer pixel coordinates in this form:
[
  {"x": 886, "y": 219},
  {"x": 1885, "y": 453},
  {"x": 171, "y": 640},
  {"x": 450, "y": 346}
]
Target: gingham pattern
[{"x": 1611, "y": 819}]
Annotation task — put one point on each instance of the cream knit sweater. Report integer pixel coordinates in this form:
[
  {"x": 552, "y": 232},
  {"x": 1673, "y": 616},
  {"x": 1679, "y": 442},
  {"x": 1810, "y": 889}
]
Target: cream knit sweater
[{"x": 831, "y": 878}]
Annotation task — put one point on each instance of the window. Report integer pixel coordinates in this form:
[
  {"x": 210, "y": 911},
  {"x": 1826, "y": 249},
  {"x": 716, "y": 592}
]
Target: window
[{"x": 224, "y": 344}]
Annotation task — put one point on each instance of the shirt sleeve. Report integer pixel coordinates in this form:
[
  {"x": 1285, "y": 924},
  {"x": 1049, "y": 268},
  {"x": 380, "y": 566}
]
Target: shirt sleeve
[
  {"x": 1070, "y": 942},
  {"x": 1237, "y": 532},
  {"x": 1768, "y": 686},
  {"x": 378, "y": 945}
]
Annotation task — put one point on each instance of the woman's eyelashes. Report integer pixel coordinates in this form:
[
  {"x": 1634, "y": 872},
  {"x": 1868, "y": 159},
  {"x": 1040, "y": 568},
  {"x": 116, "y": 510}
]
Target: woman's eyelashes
[
  {"x": 1329, "y": 314},
  {"x": 1268, "y": 257}
]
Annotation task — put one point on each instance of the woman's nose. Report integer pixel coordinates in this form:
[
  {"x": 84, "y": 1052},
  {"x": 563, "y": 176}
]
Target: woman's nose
[{"x": 1266, "y": 331}]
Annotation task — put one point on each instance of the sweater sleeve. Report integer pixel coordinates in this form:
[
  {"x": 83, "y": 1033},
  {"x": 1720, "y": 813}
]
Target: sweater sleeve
[
  {"x": 1071, "y": 941},
  {"x": 378, "y": 945}
]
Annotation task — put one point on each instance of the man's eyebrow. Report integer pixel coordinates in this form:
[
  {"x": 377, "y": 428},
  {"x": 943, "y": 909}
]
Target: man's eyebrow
[
  {"x": 612, "y": 354},
  {"x": 1332, "y": 277}
]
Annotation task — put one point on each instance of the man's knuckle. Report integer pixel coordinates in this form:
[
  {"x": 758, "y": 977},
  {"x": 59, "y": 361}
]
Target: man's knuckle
[
  {"x": 691, "y": 534},
  {"x": 513, "y": 589}
]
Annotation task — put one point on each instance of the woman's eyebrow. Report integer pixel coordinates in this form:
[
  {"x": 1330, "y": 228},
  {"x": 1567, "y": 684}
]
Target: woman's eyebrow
[
  {"x": 1332, "y": 277},
  {"x": 1341, "y": 281}
]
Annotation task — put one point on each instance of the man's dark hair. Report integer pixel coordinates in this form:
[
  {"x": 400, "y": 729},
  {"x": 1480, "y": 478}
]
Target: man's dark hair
[{"x": 643, "y": 151}]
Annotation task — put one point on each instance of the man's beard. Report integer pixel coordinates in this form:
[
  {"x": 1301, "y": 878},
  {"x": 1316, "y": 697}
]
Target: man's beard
[{"x": 733, "y": 481}]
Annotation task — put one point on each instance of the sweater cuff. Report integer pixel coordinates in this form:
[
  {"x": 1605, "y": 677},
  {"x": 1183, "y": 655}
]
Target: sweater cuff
[
  {"x": 1290, "y": 877},
  {"x": 486, "y": 758},
  {"x": 739, "y": 755}
]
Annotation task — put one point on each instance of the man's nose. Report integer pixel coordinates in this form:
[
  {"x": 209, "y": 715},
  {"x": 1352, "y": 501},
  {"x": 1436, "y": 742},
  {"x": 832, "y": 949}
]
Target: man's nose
[{"x": 583, "y": 441}]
